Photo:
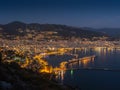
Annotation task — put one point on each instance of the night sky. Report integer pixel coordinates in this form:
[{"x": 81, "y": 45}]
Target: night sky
[{"x": 80, "y": 13}]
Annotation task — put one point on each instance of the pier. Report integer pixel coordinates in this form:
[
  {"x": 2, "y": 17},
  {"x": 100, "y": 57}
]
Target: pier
[
  {"x": 87, "y": 59},
  {"x": 78, "y": 60}
]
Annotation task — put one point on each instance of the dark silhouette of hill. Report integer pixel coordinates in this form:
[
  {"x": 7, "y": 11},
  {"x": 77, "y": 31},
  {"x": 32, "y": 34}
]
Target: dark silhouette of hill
[
  {"x": 62, "y": 30},
  {"x": 11, "y": 28},
  {"x": 12, "y": 77},
  {"x": 113, "y": 32}
]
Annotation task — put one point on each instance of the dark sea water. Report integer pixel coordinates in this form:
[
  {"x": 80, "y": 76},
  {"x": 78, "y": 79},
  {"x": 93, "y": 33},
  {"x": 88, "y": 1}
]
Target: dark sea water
[{"x": 102, "y": 73}]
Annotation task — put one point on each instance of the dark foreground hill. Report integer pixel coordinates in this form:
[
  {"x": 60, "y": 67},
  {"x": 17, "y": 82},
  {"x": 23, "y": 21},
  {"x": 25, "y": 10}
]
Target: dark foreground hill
[{"x": 12, "y": 77}]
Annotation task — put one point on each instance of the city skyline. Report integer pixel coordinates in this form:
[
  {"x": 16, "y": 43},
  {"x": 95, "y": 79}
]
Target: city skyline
[{"x": 80, "y": 13}]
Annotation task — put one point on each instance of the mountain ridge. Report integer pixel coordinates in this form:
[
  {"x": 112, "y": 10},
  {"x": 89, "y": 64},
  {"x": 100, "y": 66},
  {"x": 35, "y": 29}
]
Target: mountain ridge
[
  {"x": 13, "y": 28},
  {"x": 114, "y": 32}
]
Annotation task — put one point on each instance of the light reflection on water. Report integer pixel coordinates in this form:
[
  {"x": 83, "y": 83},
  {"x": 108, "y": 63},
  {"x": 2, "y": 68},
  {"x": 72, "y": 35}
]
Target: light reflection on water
[
  {"x": 105, "y": 57},
  {"x": 95, "y": 79},
  {"x": 60, "y": 76}
]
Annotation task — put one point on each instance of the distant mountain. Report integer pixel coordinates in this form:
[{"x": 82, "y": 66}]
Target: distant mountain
[
  {"x": 16, "y": 27},
  {"x": 12, "y": 28},
  {"x": 115, "y": 32}
]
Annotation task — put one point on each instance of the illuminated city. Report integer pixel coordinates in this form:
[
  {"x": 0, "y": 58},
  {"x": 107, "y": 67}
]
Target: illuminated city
[{"x": 59, "y": 45}]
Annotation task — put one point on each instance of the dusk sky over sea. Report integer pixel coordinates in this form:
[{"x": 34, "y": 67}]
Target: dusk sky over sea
[{"x": 80, "y": 13}]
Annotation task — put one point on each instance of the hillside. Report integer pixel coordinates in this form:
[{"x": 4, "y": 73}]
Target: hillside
[
  {"x": 113, "y": 32},
  {"x": 13, "y": 77},
  {"x": 22, "y": 29}
]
